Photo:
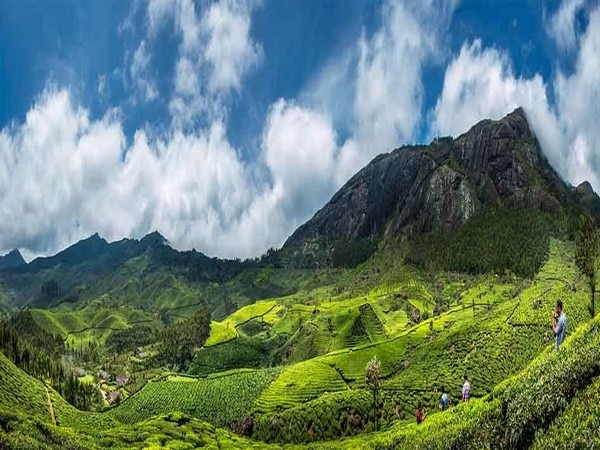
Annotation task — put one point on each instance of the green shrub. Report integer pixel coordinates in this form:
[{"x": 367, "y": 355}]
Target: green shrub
[{"x": 494, "y": 240}]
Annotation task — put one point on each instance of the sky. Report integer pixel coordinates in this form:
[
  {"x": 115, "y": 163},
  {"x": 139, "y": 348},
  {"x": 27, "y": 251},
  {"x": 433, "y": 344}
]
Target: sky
[{"x": 226, "y": 124}]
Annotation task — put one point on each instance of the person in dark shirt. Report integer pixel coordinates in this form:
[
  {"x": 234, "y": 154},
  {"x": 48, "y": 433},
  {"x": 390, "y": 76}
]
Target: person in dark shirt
[{"x": 420, "y": 414}]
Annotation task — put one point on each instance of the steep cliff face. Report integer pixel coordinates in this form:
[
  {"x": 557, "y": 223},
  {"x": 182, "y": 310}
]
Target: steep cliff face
[{"x": 438, "y": 187}]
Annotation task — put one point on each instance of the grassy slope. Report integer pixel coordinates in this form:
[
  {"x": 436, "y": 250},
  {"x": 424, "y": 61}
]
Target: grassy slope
[
  {"x": 221, "y": 399},
  {"x": 491, "y": 342},
  {"x": 489, "y": 345},
  {"x": 510, "y": 416},
  {"x": 25, "y": 422},
  {"x": 516, "y": 410},
  {"x": 578, "y": 426},
  {"x": 19, "y": 390},
  {"x": 94, "y": 322}
]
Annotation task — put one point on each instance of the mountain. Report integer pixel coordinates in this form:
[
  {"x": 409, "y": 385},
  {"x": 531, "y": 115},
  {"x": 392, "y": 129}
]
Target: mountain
[
  {"x": 589, "y": 199},
  {"x": 11, "y": 259},
  {"x": 438, "y": 187},
  {"x": 93, "y": 265}
]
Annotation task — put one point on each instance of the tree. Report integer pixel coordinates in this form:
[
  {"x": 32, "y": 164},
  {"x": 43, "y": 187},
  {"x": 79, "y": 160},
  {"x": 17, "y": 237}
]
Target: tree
[
  {"x": 373, "y": 382},
  {"x": 178, "y": 340},
  {"x": 200, "y": 326},
  {"x": 586, "y": 251}
]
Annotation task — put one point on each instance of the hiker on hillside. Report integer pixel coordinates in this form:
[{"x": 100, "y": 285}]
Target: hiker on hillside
[
  {"x": 559, "y": 324},
  {"x": 420, "y": 414},
  {"x": 444, "y": 400},
  {"x": 466, "y": 390}
]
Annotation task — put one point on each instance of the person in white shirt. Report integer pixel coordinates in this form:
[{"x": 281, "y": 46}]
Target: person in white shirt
[{"x": 466, "y": 390}]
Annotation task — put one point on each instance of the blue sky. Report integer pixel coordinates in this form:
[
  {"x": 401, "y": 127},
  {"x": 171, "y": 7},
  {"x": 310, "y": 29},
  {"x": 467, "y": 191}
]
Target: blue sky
[{"x": 225, "y": 124}]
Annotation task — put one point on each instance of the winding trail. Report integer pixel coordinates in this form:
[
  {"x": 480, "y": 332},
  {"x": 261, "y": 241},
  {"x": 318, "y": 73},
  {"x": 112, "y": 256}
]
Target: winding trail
[{"x": 50, "y": 407}]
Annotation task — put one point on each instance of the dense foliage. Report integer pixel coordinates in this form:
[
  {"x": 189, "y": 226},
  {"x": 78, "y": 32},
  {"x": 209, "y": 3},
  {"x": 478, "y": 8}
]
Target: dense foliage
[
  {"x": 494, "y": 240},
  {"x": 349, "y": 254},
  {"x": 221, "y": 399},
  {"x": 127, "y": 340},
  {"x": 586, "y": 245},
  {"x": 177, "y": 342},
  {"x": 40, "y": 354}
]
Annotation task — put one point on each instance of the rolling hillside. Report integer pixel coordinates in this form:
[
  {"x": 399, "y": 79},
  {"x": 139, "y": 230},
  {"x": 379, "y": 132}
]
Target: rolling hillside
[{"x": 438, "y": 260}]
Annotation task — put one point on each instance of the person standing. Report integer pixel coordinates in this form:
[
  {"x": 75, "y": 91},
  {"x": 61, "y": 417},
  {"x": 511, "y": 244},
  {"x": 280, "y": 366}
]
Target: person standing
[
  {"x": 559, "y": 324},
  {"x": 466, "y": 390},
  {"x": 444, "y": 400},
  {"x": 420, "y": 414}
]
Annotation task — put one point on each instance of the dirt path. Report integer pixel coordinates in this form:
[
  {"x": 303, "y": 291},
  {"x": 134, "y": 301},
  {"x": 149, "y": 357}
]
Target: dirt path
[{"x": 50, "y": 407}]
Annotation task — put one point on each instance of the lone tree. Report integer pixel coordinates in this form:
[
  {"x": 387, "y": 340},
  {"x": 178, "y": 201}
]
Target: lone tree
[
  {"x": 586, "y": 251},
  {"x": 373, "y": 382}
]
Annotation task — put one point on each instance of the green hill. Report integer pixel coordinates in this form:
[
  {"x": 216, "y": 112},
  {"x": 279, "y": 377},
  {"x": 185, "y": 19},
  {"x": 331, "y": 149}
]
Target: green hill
[{"x": 439, "y": 260}]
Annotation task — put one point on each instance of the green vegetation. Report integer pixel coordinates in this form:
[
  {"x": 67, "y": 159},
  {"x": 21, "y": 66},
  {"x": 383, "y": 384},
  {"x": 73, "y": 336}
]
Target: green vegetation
[
  {"x": 517, "y": 410},
  {"x": 178, "y": 341},
  {"x": 39, "y": 354},
  {"x": 221, "y": 399},
  {"x": 297, "y": 366},
  {"x": 586, "y": 245},
  {"x": 579, "y": 424},
  {"x": 493, "y": 240}
]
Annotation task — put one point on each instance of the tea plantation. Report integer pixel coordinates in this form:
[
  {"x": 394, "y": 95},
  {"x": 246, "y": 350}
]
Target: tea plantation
[{"x": 289, "y": 371}]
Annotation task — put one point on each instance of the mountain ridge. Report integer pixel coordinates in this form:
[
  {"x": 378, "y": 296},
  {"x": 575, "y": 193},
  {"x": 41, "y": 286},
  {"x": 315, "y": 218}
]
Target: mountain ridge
[
  {"x": 12, "y": 259},
  {"x": 409, "y": 191},
  {"x": 438, "y": 187}
]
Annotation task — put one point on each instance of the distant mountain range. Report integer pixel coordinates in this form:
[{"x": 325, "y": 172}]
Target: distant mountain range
[
  {"x": 12, "y": 259},
  {"x": 414, "y": 189}
]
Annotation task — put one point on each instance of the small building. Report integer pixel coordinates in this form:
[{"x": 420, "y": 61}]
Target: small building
[
  {"x": 122, "y": 380},
  {"x": 79, "y": 372},
  {"x": 113, "y": 396},
  {"x": 139, "y": 353}
]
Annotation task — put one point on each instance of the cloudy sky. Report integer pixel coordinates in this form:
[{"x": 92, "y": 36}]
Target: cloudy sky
[{"x": 225, "y": 124}]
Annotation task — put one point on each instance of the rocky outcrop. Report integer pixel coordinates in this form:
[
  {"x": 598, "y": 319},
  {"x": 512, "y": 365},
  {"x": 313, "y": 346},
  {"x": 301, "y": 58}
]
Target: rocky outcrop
[
  {"x": 437, "y": 187},
  {"x": 589, "y": 199}
]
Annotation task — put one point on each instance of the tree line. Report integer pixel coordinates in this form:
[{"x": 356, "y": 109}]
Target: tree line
[{"x": 40, "y": 354}]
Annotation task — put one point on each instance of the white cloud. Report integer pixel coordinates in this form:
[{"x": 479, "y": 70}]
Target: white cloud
[
  {"x": 159, "y": 11},
  {"x": 578, "y": 103},
  {"x": 51, "y": 165},
  {"x": 216, "y": 51},
  {"x": 193, "y": 186},
  {"x": 480, "y": 83},
  {"x": 143, "y": 84},
  {"x": 101, "y": 85},
  {"x": 299, "y": 151},
  {"x": 230, "y": 51},
  {"x": 561, "y": 26},
  {"x": 388, "y": 91},
  {"x": 64, "y": 176}
]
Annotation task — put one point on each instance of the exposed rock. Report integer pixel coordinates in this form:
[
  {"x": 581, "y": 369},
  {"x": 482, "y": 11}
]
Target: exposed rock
[
  {"x": 589, "y": 199},
  {"x": 438, "y": 187}
]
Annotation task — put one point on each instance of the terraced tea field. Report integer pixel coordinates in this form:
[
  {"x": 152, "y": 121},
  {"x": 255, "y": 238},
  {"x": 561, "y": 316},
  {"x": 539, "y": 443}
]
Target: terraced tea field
[
  {"x": 221, "y": 399},
  {"x": 226, "y": 330},
  {"x": 479, "y": 339}
]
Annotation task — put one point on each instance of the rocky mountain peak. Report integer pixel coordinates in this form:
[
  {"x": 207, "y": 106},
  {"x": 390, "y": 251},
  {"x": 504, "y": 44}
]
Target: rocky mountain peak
[
  {"x": 585, "y": 188},
  {"x": 438, "y": 187}
]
